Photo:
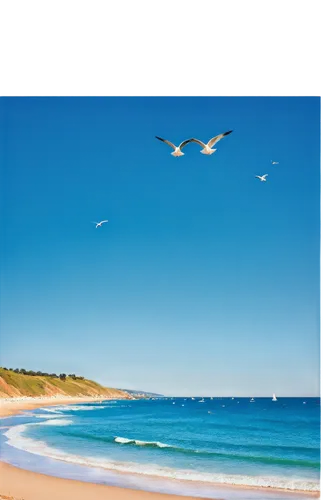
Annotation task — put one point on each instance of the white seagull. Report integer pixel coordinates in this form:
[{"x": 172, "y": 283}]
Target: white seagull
[
  {"x": 177, "y": 149},
  {"x": 274, "y": 162},
  {"x": 262, "y": 177},
  {"x": 207, "y": 148},
  {"x": 99, "y": 224}
]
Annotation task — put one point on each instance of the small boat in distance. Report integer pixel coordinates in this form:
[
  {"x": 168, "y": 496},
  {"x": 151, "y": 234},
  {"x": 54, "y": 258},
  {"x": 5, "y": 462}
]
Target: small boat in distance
[
  {"x": 274, "y": 397},
  {"x": 201, "y": 401},
  {"x": 252, "y": 400}
]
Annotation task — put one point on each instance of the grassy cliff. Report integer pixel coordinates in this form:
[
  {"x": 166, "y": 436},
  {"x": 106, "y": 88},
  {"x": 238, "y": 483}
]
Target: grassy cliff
[{"x": 16, "y": 384}]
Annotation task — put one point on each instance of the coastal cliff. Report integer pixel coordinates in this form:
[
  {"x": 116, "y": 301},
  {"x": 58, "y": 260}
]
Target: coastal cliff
[{"x": 16, "y": 384}]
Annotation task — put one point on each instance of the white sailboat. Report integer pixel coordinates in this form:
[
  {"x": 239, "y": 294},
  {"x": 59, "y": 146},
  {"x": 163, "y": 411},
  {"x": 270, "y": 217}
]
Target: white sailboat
[
  {"x": 252, "y": 400},
  {"x": 274, "y": 398}
]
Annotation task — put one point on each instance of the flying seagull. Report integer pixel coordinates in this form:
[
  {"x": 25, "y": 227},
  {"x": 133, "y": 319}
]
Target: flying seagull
[
  {"x": 177, "y": 149},
  {"x": 262, "y": 177},
  {"x": 99, "y": 224},
  {"x": 274, "y": 162},
  {"x": 207, "y": 148}
]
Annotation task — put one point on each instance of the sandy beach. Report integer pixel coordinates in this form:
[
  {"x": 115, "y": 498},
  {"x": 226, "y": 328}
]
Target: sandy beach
[
  {"x": 19, "y": 484},
  {"x": 26, "y": 485}
]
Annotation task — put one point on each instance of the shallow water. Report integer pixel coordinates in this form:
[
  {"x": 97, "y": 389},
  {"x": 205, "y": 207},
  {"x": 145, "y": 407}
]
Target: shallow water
[{"x": 220, "y": 441}]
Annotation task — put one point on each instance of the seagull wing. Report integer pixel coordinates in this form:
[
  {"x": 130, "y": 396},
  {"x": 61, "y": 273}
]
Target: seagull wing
[
  {"x": 183, "y": 144},
  {"x": 166, "y": 142},
  {"x": 102, "y": 221},
  {"x": 264, "y": 176},
  {"x": 199, "y": 142},
  {"x": 217, "y": 138},
  {"x": 258, "y": 177}
]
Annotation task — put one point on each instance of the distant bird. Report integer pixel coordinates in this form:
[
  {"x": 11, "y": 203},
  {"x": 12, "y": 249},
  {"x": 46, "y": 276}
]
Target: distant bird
[
  {"x": 274, "y": 162},
  {"x": 99, "y": 224},
  {"x": 262, "y": 177},
  {"x": 207, "y": 148},
  {"x": 177, "y": 149}
]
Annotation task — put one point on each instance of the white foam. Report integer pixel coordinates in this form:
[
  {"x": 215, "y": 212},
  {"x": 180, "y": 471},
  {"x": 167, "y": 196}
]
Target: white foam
[
  {"x": 39, "y": 415},
  {"x": 20, "y": 415},
  {"x": 123, "y": 440},
  {"x": 63, "y": 421},
  {"x": 18, "y": 440},
  {"x": 51, "y": 410},
  {"x": 26, "y": 444},
  {"x": 80, "y": 408},
  {"x": 142, "y": 443}
]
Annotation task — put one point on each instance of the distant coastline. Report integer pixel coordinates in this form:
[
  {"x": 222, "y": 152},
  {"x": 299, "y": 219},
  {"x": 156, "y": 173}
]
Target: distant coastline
[{"x": 142, "y": 393}]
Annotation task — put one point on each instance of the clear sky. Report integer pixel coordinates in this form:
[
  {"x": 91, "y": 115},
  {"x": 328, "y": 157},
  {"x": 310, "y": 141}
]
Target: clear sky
[{"x": 205, "y": 281}]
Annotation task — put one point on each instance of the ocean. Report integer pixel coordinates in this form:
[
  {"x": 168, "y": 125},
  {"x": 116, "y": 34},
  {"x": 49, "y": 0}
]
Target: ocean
[{"x": 181, "y": 445}]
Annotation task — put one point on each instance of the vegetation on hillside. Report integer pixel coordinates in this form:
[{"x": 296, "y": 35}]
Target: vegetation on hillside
[
  {"x": 62, "y": 376},
  {"x": 16, "y": 383}
]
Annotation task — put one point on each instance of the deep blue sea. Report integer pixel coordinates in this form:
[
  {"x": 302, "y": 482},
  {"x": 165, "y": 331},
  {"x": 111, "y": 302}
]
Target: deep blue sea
[{"x": 203, "y": 441}]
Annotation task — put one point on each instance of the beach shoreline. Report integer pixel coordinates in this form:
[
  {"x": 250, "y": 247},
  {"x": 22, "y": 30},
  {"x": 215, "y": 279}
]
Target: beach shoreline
[
  {"x": 20, "y": 483},
  {"x": 13, "y": 406}
]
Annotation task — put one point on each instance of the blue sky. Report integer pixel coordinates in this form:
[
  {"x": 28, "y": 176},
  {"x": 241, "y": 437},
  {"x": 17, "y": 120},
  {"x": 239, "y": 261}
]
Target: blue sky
[{"x": 204, "y": 281}]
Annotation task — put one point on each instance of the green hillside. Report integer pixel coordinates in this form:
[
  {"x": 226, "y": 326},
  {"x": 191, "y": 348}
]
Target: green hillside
[{"x": 14, "y": 384}]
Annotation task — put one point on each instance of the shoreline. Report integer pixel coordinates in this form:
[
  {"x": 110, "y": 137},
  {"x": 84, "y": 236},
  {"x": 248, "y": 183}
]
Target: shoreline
[
  {"x": 27, "y": 485},
  {"x": 11, "y": 476},
  {"x": 12, "y": 406},
  {"x": 17, "y": 484}
]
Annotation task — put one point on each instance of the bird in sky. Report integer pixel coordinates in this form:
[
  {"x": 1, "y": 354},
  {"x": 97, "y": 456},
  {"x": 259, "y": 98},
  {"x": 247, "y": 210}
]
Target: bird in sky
[
  {"x": 262, "y": 177},
  {"x": 99, "y": 224},
  {"x": 177, "y": 149},
  {"x": 207, "y": 148},
  {"x": 274, "y": 162}
]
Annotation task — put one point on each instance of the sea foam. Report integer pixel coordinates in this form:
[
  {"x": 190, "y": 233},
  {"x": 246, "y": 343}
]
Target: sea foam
[
  {"x": 40, "y": 415},
  {"x": 63, "y": 421},
  {"x": 142, "y": 443},
  {"x": 50, "y": 410},
  {"x": 80, "y": 407}
]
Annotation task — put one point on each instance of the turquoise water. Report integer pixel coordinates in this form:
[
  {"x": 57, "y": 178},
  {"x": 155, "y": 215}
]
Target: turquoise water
[{"x": 217, "y": 441}]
